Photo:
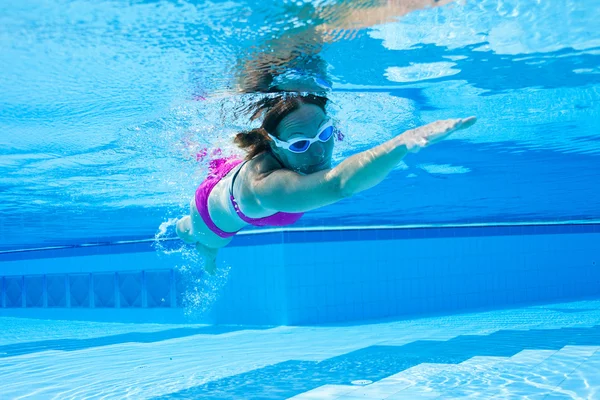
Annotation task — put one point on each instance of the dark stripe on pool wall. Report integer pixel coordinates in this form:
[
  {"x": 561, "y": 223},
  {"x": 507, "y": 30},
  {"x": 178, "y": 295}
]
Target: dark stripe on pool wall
[{"x": 307, "y": 236}]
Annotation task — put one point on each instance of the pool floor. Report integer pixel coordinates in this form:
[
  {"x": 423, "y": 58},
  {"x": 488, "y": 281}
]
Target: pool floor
[{"x": 541, "y": 352}]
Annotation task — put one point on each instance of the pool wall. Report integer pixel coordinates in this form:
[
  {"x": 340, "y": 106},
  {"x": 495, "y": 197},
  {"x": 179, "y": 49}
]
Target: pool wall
[{"x": 314, "y": 277}]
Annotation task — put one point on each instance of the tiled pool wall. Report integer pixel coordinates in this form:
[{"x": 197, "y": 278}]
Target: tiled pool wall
[{"x": 314, "y": 277}]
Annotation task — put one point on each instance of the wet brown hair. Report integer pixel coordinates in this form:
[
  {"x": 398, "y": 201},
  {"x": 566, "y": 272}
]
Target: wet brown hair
[{"x": 274, "y": 110}]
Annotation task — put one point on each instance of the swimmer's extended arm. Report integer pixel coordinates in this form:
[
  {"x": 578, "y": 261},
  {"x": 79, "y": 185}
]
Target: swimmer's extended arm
[
  {"x": 287, "y": 191},
  {"x": 358, "y": 14}
]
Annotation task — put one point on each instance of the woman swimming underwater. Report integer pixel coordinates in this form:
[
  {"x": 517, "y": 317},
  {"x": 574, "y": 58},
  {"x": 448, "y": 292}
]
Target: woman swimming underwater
[{"x": 287, "y": 171}]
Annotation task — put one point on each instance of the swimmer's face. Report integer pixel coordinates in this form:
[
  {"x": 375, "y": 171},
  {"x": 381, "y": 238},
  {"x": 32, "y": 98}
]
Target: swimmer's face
[{"x": 304, "y": 123}]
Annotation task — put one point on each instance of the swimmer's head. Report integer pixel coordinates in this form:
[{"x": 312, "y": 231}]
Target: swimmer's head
[{"x": 288, "y": 119}]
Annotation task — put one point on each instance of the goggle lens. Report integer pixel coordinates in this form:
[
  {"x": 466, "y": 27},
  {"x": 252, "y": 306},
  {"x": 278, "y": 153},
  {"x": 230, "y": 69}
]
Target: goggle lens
[
  {"x": 326, "y": 134},
  {"x": 300, "y": 146}
]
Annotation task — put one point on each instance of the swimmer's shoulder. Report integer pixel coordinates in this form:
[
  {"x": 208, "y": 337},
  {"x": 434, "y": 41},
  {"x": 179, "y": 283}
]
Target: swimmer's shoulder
[
  {"x": 255, "y": 170},
  {"x": 263, "y": 164}
]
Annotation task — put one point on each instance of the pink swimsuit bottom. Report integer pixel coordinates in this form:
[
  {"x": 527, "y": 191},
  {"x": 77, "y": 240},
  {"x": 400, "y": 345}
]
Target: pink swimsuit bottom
[{"x": 218, "y": 169}]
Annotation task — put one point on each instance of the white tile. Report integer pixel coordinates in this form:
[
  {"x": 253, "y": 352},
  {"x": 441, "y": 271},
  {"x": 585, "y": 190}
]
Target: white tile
[
  {"x": 326, "y": 392},
  {"x": 381, "y": 390},
  {"x": 543, "y": 377},
  {"x": 180, "y": 363},
  {"x": 347, "y": 397},
  {"x": 584, "y": 381},
  {"x": 420, "y": 374},
  {"x": 483, "y": 361},
  {"x": 473, "y": 376},
  {"x": 414, "y": 394},
  {"x": 529, "y": 357}
]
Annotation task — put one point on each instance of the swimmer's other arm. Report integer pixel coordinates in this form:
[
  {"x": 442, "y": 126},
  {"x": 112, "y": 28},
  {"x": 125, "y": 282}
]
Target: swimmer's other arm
[{"x": 287, "y": 191}]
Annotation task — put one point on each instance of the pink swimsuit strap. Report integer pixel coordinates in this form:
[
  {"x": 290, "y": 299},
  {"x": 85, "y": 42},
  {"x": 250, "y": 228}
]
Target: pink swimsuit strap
[{"x": 219, "y": 168}]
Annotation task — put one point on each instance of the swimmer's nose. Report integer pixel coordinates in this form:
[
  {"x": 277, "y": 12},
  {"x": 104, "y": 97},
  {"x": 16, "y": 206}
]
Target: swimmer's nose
[{"x": 318, "y": 150}]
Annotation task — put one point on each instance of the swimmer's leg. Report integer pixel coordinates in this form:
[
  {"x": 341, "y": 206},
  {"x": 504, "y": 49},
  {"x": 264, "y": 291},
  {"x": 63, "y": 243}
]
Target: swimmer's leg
[
  {"x": 209, "y": 254},
  {"x": 210, "y": 257},
  {"x": 184, "y": 229}
]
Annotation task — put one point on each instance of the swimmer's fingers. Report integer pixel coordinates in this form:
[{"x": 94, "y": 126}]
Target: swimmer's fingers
[
  {"x": 467, "y": 122},
  {"x": 441, "y": 129},
  {"x": 435, "y": 132}
]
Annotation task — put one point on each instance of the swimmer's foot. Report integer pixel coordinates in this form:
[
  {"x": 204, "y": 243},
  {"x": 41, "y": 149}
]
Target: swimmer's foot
[
  {"x": 435, "y": 132},
  {"x": 210, "y": 258}
]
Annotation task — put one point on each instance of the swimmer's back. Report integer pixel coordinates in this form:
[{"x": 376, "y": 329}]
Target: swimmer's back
[{"x": 219, "y": 203}]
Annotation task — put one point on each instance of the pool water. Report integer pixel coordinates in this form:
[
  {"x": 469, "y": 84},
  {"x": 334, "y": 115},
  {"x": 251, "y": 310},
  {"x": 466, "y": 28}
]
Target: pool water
[
  {"x": 481, "y": 251},
  {"x": 548, "y": 351},
  {"x": 104, "y": 108}
]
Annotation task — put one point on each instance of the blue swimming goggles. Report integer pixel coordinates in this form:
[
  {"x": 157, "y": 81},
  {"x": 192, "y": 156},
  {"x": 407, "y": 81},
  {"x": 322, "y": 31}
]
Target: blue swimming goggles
[{"x": 300, "y": 145}]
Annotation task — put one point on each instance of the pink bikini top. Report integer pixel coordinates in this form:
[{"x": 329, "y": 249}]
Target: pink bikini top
[{"x": 218, "y": 169}]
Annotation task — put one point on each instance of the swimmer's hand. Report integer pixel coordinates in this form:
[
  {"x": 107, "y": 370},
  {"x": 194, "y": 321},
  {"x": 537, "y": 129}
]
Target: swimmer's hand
[
  {"x": 415, "y": 139},
  {"x": 210, "y": 258}
]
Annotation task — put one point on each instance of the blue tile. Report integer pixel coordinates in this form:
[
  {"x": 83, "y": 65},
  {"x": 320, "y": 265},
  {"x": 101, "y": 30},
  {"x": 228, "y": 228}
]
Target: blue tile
[
  {"x": 56, "y": 290},
  {"x": 104, "y": 290},
  {"x": 34, "y": 291},
  {"x": 79, "y": 289},
  {"x": 78, "y": 251},
  {"x": 158, "y": 288},
  {"x": 130, "y": 289},
  {"x": 13, "y": 291},
  {"x": 180, "y": 287}
]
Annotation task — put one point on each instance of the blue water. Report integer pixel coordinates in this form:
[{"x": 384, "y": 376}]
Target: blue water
[
  {"x": 101, "y": 118},
  {"x": 105, "y": 105}
]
